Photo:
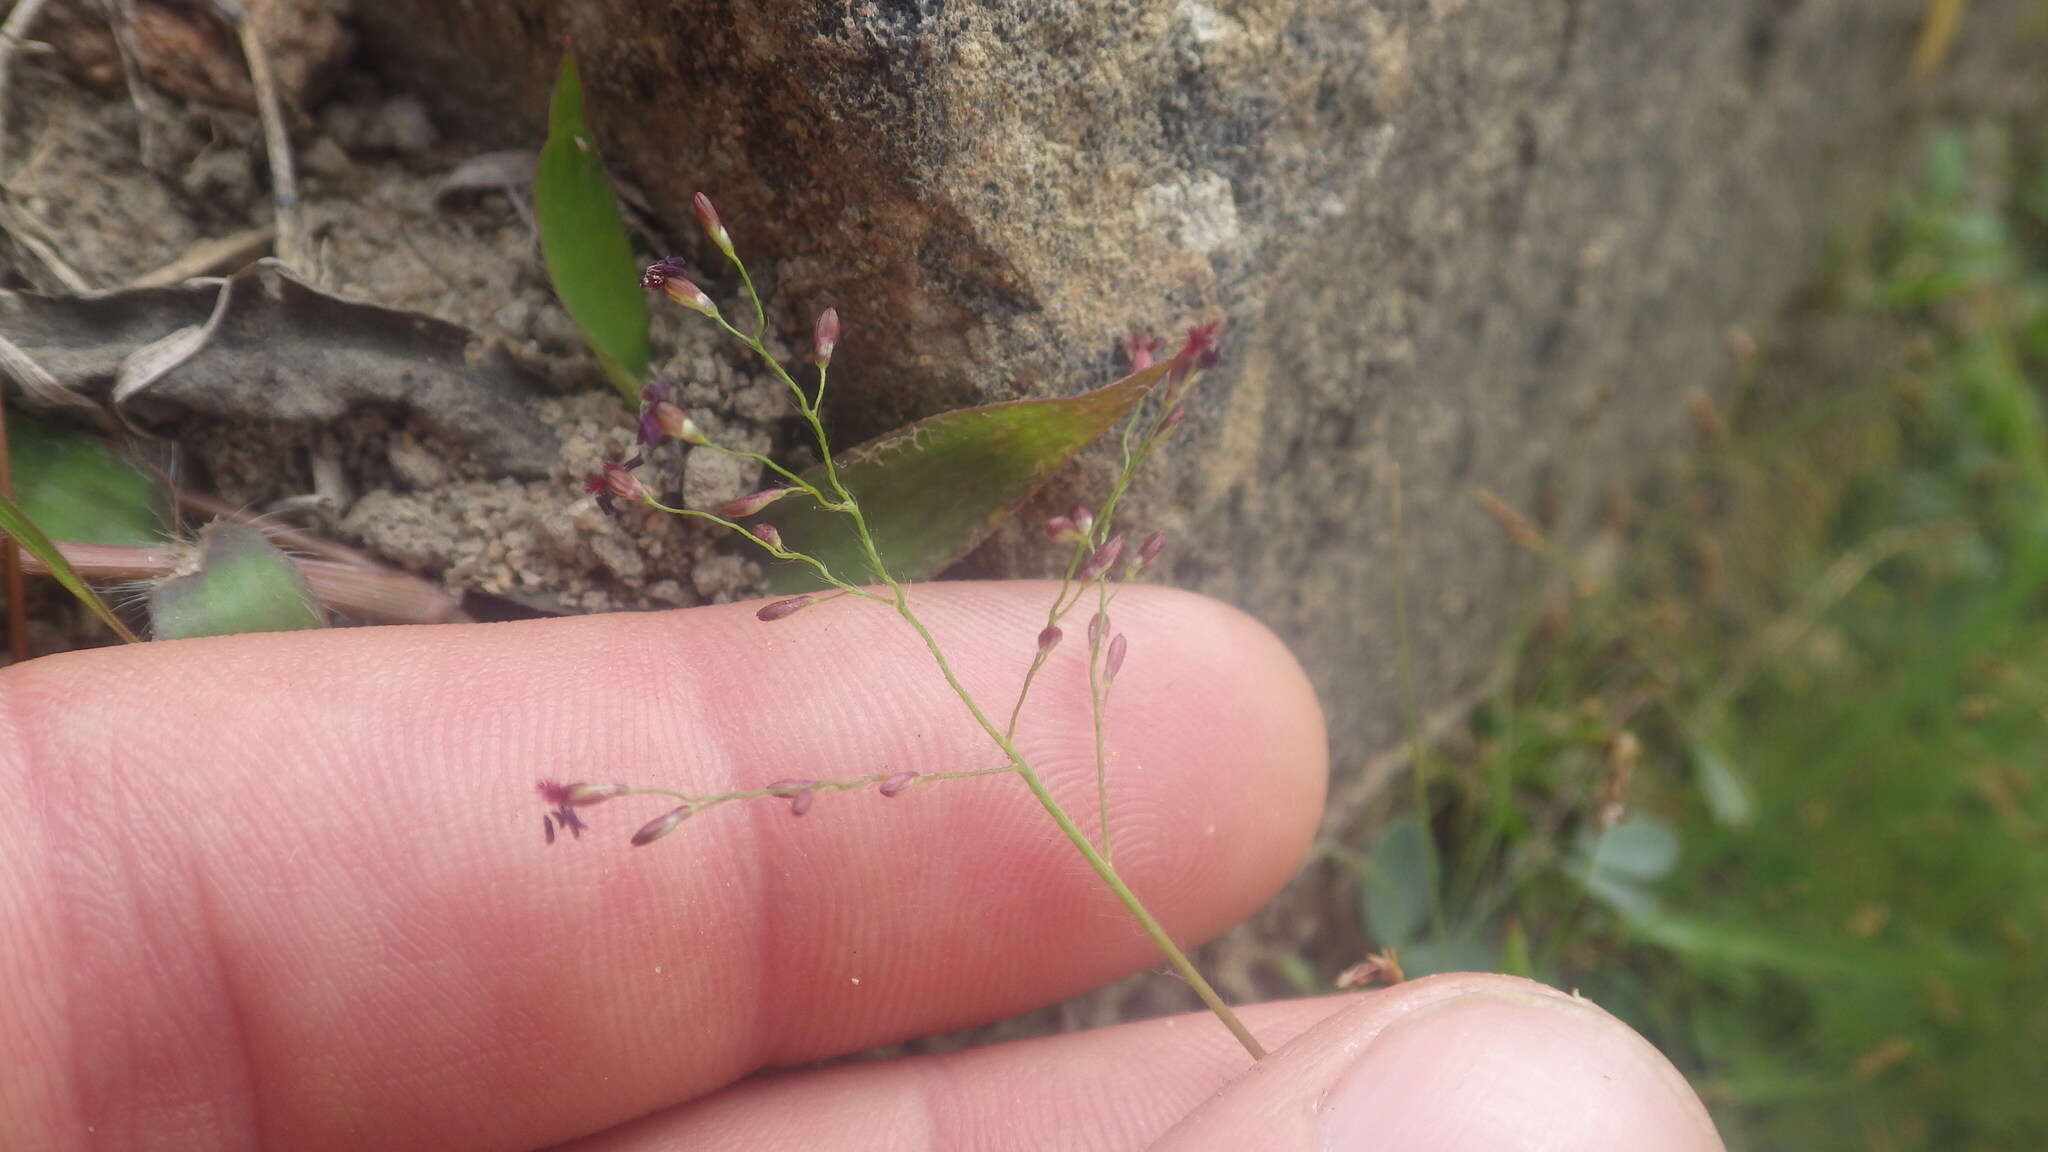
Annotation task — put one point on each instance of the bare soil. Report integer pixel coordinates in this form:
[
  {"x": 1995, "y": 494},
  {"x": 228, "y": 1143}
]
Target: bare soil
[{"x": 120, "y": 193}]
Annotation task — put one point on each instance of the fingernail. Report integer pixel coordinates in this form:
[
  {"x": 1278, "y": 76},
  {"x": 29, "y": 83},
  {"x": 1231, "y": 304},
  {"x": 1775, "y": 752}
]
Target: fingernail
[{"x": 1505, "y": 1068}]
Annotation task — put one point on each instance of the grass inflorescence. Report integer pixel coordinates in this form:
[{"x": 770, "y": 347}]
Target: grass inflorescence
[{"x": 1100, "y": 561}]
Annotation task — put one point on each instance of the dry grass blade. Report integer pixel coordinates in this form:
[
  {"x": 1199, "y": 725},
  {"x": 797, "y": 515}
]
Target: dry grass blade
[
  {"x": 277, "y": 141},
  {"x": 111, "y": 561},
  {"x": 121, "y": 23},
  {"x": 277, "y": 144},
  {"x": 220, "y": 254},
  {"x": 12, "y": 34},
  {"x": 37, "y": 382},
  {"x": 379, "y": 594},
  {"x": 14, "y": 223},
  {"x": 295, "y": 539},
  {"x": 28, "y": 234}
]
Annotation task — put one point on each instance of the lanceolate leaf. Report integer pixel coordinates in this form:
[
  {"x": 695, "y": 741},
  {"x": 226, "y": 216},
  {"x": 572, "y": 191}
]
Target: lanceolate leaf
[
  {"x": 584, "y": 241},
  {"x": 243, "y": 584},
  {"x": 16, "y": 524},
  {"x": 933, "y": 490}
]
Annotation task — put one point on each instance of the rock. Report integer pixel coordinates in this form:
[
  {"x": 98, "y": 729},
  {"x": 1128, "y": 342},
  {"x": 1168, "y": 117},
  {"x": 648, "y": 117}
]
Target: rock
[
  {"x": 716, "y": 574},
  {"x": 347, "y": 125},
  {"x": 415, "y": 465},
  {"x": 1460, "y": 246},
  {"x": 187, "y": 51},
  {"x": 325, "y": 158},
  {"x": 404, "y": 128},
  {"x": 712, "y": 478},
  {"x": 224, "y": 175}
]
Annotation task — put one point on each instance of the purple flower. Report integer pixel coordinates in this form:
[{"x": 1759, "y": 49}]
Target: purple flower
[
  {"x": 1200, "y": 346},
  {"x": 615, "y": 481},
  {"x": 667, "y": 276},
  {"x": 1141, "y": 350},
  {"x": 662, "y": 271},
  {"x": 652, "y": 394},
  {"x": 564, "y": 812}
]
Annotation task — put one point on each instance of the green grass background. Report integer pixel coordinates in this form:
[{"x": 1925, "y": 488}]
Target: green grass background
[{"x": 1773, "y": 786}]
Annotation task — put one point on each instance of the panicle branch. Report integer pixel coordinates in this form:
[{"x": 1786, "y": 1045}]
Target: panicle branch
[
  {"x": 1095, "y": 551},
  {"x": 564, "y": 800}
]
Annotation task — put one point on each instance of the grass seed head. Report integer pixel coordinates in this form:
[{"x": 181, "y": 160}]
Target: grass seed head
[
  {"x": 825, "y": 336},
  {"x": 783, "y": 609},
  {"x": 707, "y": 219},
  {"x": 661, "y": 825}
]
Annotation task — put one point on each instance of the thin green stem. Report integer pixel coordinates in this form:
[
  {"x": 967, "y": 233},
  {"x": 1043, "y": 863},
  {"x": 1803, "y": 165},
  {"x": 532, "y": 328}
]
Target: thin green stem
[
  {"x": 1052, "y": 618},
  {"x": 1061, "y": 605},
  {"x": 760, "y": 350},
  {"x": 762, "y": 458},
  {"x": 1174, "y": 956},
  {"x": 1133, "y": 459},
  {"x": 1017, "y": 709},
  {"x": 1096, "y": 707},
  {"x": 777, "y": 551},
  {"x": 760, "y": 310},
  {"x": 808, "y": 411},
  {"x": 1097, "y": 861},
  {"x": 1101, "y": 866},
  {"x": 699, "y": 803},
  {"x": 1129, "y": 471}
]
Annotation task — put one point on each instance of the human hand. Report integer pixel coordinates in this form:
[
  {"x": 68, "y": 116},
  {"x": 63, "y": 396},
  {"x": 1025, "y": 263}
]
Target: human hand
[{"x": 290, "y": 891}]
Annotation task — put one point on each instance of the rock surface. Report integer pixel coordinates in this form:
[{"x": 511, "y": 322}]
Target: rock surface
[
  {"x": 1469, "y": 245},
  {"x": 189, "y": 51}
]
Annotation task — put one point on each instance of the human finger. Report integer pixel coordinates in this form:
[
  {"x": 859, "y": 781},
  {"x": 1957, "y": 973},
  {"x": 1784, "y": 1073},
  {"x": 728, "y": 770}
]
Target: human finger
[
  {"x": 290, "y": 889},
  {"x": 1443, "y": 1064}
]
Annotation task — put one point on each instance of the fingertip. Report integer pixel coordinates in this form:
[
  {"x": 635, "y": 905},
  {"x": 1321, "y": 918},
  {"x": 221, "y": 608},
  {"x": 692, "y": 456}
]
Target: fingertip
[
  {"x": 1213, "y": 686},
  {"x": 1268, "y": 686},
  {"x": 1459, "y": 1064}
]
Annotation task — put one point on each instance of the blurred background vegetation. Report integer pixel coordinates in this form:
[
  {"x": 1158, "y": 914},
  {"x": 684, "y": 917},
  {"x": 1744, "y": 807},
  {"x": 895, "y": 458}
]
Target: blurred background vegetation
[{"x": 1768, "y": 776}]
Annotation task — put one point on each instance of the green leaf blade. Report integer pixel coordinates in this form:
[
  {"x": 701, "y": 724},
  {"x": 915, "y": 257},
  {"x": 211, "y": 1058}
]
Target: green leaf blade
[
  {"x": 583, "y": 240},
  {"x": 934, "y": 489},
  {"x": 19, "y": 529}
]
